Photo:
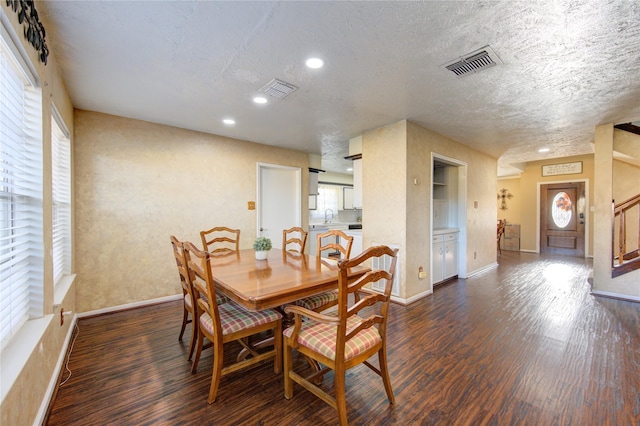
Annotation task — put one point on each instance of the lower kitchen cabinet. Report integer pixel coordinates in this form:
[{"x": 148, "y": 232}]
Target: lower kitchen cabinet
[
  {"x": 444, "y": 257},
  {"x": 356, "y": 245}
]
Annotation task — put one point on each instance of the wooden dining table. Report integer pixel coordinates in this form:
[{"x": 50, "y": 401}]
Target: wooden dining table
[{"x": 282, "y": 278}]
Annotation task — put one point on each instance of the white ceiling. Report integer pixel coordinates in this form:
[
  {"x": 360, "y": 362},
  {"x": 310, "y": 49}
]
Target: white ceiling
[{"x": 567, "y": 67}]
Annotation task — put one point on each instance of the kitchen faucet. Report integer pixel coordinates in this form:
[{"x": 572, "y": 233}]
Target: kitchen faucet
[{"x": 326, "y": 214}]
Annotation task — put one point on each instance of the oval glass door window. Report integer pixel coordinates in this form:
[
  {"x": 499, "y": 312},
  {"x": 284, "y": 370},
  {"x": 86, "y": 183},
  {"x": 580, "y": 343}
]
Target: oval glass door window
[{"x": 561, "y": 209}]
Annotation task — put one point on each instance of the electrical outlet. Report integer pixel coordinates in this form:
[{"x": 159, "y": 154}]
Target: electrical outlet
[
  {"x": 64, "y": 314},
  {"x": 421, "y": 273}
]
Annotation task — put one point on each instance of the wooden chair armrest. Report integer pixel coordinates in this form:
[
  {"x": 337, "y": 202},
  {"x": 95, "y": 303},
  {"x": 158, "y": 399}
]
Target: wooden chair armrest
[{"x": 316, "y": 316}]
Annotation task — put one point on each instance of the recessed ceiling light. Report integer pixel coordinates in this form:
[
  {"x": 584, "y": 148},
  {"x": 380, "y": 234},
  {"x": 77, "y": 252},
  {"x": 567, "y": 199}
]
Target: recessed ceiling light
[
  {"x": 350, "y": 169},
  {"x": 229, "y": 121},
  {"x": 260, "y": 100},
  {"x": 541, "y": 150},
  {"x": 315, "y": 63}
]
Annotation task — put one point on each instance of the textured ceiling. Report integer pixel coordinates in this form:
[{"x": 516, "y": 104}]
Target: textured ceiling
[{"x": 567, "y": 67}]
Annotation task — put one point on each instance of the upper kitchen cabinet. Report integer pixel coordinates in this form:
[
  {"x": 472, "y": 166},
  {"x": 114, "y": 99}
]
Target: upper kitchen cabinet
[
  {"x": 357, "y": 183},
  {"x": 347, "y": 198},
  {"x": 313, "y": 180}
]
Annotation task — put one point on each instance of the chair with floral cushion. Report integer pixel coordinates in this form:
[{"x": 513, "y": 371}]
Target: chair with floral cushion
[
  {"x": 296, "y": 237},
  {"x": 228, "y": 322},
  {"x": 340, "y": 342},
  {"x": 322, "y": 301}
]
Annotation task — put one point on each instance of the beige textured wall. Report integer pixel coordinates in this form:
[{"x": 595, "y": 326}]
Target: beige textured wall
[
  {"x": 22, "y": 401},
  {"x": 529, "y": 194},
  {"x": 398, "y": 211},
  {"x": 627, "y": 284},
  {"x": 481, "y": 188},
  {"x": 418, "y": 216},
  {"x": 514, "y": 205},
  {"x": 138, "y": 182},
  {"x": 384, "y": 198}
]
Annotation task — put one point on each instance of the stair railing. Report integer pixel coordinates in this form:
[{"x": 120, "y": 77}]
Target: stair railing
[{"x": 621, "y": 257}]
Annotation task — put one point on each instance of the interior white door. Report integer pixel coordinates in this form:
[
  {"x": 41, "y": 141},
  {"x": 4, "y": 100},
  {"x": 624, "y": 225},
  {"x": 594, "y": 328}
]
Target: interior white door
[{"x": 279, "y": 200}]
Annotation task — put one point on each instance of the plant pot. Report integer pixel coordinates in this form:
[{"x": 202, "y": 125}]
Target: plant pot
[{"x": 261, "y": 255}]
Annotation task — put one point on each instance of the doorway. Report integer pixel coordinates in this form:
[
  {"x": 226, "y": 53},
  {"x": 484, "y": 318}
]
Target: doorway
[
  {"x": 279, "y": 201},
  {"x": 448, "y": 214},
  {"x": 562, "y": 218}
]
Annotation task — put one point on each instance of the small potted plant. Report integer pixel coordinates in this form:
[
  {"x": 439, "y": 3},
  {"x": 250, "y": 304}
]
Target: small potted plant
[{"x": 262, "y": 245}]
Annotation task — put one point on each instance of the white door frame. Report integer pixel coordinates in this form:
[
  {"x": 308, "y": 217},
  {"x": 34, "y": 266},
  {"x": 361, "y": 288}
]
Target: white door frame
[
  {"x": 462, "y": 212},
  {"x": 298, "y": 201},
  {"x": 587, "y": 211}
]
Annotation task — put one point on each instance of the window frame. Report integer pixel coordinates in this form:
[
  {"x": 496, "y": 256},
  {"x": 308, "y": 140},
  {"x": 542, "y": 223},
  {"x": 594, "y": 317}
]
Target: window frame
[
  {"x": 60, "y": 197},
  {"x": 21, "y": 190}
]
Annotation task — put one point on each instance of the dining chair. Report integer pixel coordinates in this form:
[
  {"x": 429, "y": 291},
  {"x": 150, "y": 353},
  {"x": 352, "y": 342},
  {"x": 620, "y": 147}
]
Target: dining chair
[
  {"x": 228, "y": 322},
  {"x": 295, "y": 236},
  {"x": 321, "y": 301},
  {"x": 189, "y": 310},
  {"x": 220, "y": 240},
  {"x": 340, "y": 342}
]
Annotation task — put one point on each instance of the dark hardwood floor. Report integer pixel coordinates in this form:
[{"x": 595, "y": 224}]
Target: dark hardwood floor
[{"x": 524, "y": 343}]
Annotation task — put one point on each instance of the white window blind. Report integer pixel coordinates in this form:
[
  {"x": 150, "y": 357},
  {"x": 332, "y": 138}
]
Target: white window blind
[
  {"x": 61, "y": 194},
  {"x": 21, "y": 236}
]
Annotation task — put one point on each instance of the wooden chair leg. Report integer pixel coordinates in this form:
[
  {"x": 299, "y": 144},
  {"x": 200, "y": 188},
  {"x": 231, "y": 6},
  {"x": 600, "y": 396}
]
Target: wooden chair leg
[
  {"x": 217, "y": 371},
  {"x": 198, "y": 352},
  {"x": 288, "y": 365},
  {"x": 194, "y": 338},
  {"x": 384, "y": 372},
  {"x": 277, "y": 362},
  {"x": 341, "y": 401},
  {"x": 185, "y": 317}
]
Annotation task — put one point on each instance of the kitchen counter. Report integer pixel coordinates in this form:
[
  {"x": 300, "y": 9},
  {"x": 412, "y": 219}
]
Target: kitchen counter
[
  {"x": 316, "y": 226},
  {"x": 332, "y": 225}
]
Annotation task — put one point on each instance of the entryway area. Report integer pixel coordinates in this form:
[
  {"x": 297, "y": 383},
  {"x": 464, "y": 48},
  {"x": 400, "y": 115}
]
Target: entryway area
[{"x": 563, "y": 218}]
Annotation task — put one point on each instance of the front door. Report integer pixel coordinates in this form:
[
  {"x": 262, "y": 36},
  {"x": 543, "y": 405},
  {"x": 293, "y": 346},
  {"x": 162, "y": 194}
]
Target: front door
[
  {"x": 279, "y": 201},
  {"x": 562, "y": 218}
]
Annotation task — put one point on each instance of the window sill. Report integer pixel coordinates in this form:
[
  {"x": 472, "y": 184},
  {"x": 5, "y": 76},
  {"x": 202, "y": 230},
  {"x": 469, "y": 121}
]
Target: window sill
[
  {"x": 62, "y": 288},
  {"x": 17, "y": 353}
]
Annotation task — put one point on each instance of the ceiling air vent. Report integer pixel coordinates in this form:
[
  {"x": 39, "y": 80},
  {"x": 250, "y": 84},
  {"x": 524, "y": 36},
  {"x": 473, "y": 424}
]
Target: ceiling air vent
[
  {"x": 278, "y": 89},
  {"x": 473, "y": 62}
]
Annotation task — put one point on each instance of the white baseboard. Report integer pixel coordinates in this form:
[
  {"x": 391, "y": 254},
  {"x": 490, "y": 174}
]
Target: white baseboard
[
  {"x": 130, "y": 306},
  {"x": 42, "y": 412},
  {"x": 405, "y": 302},
  {"x": 615, "y": 295},
  {"x": 483, "y": 269}
]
